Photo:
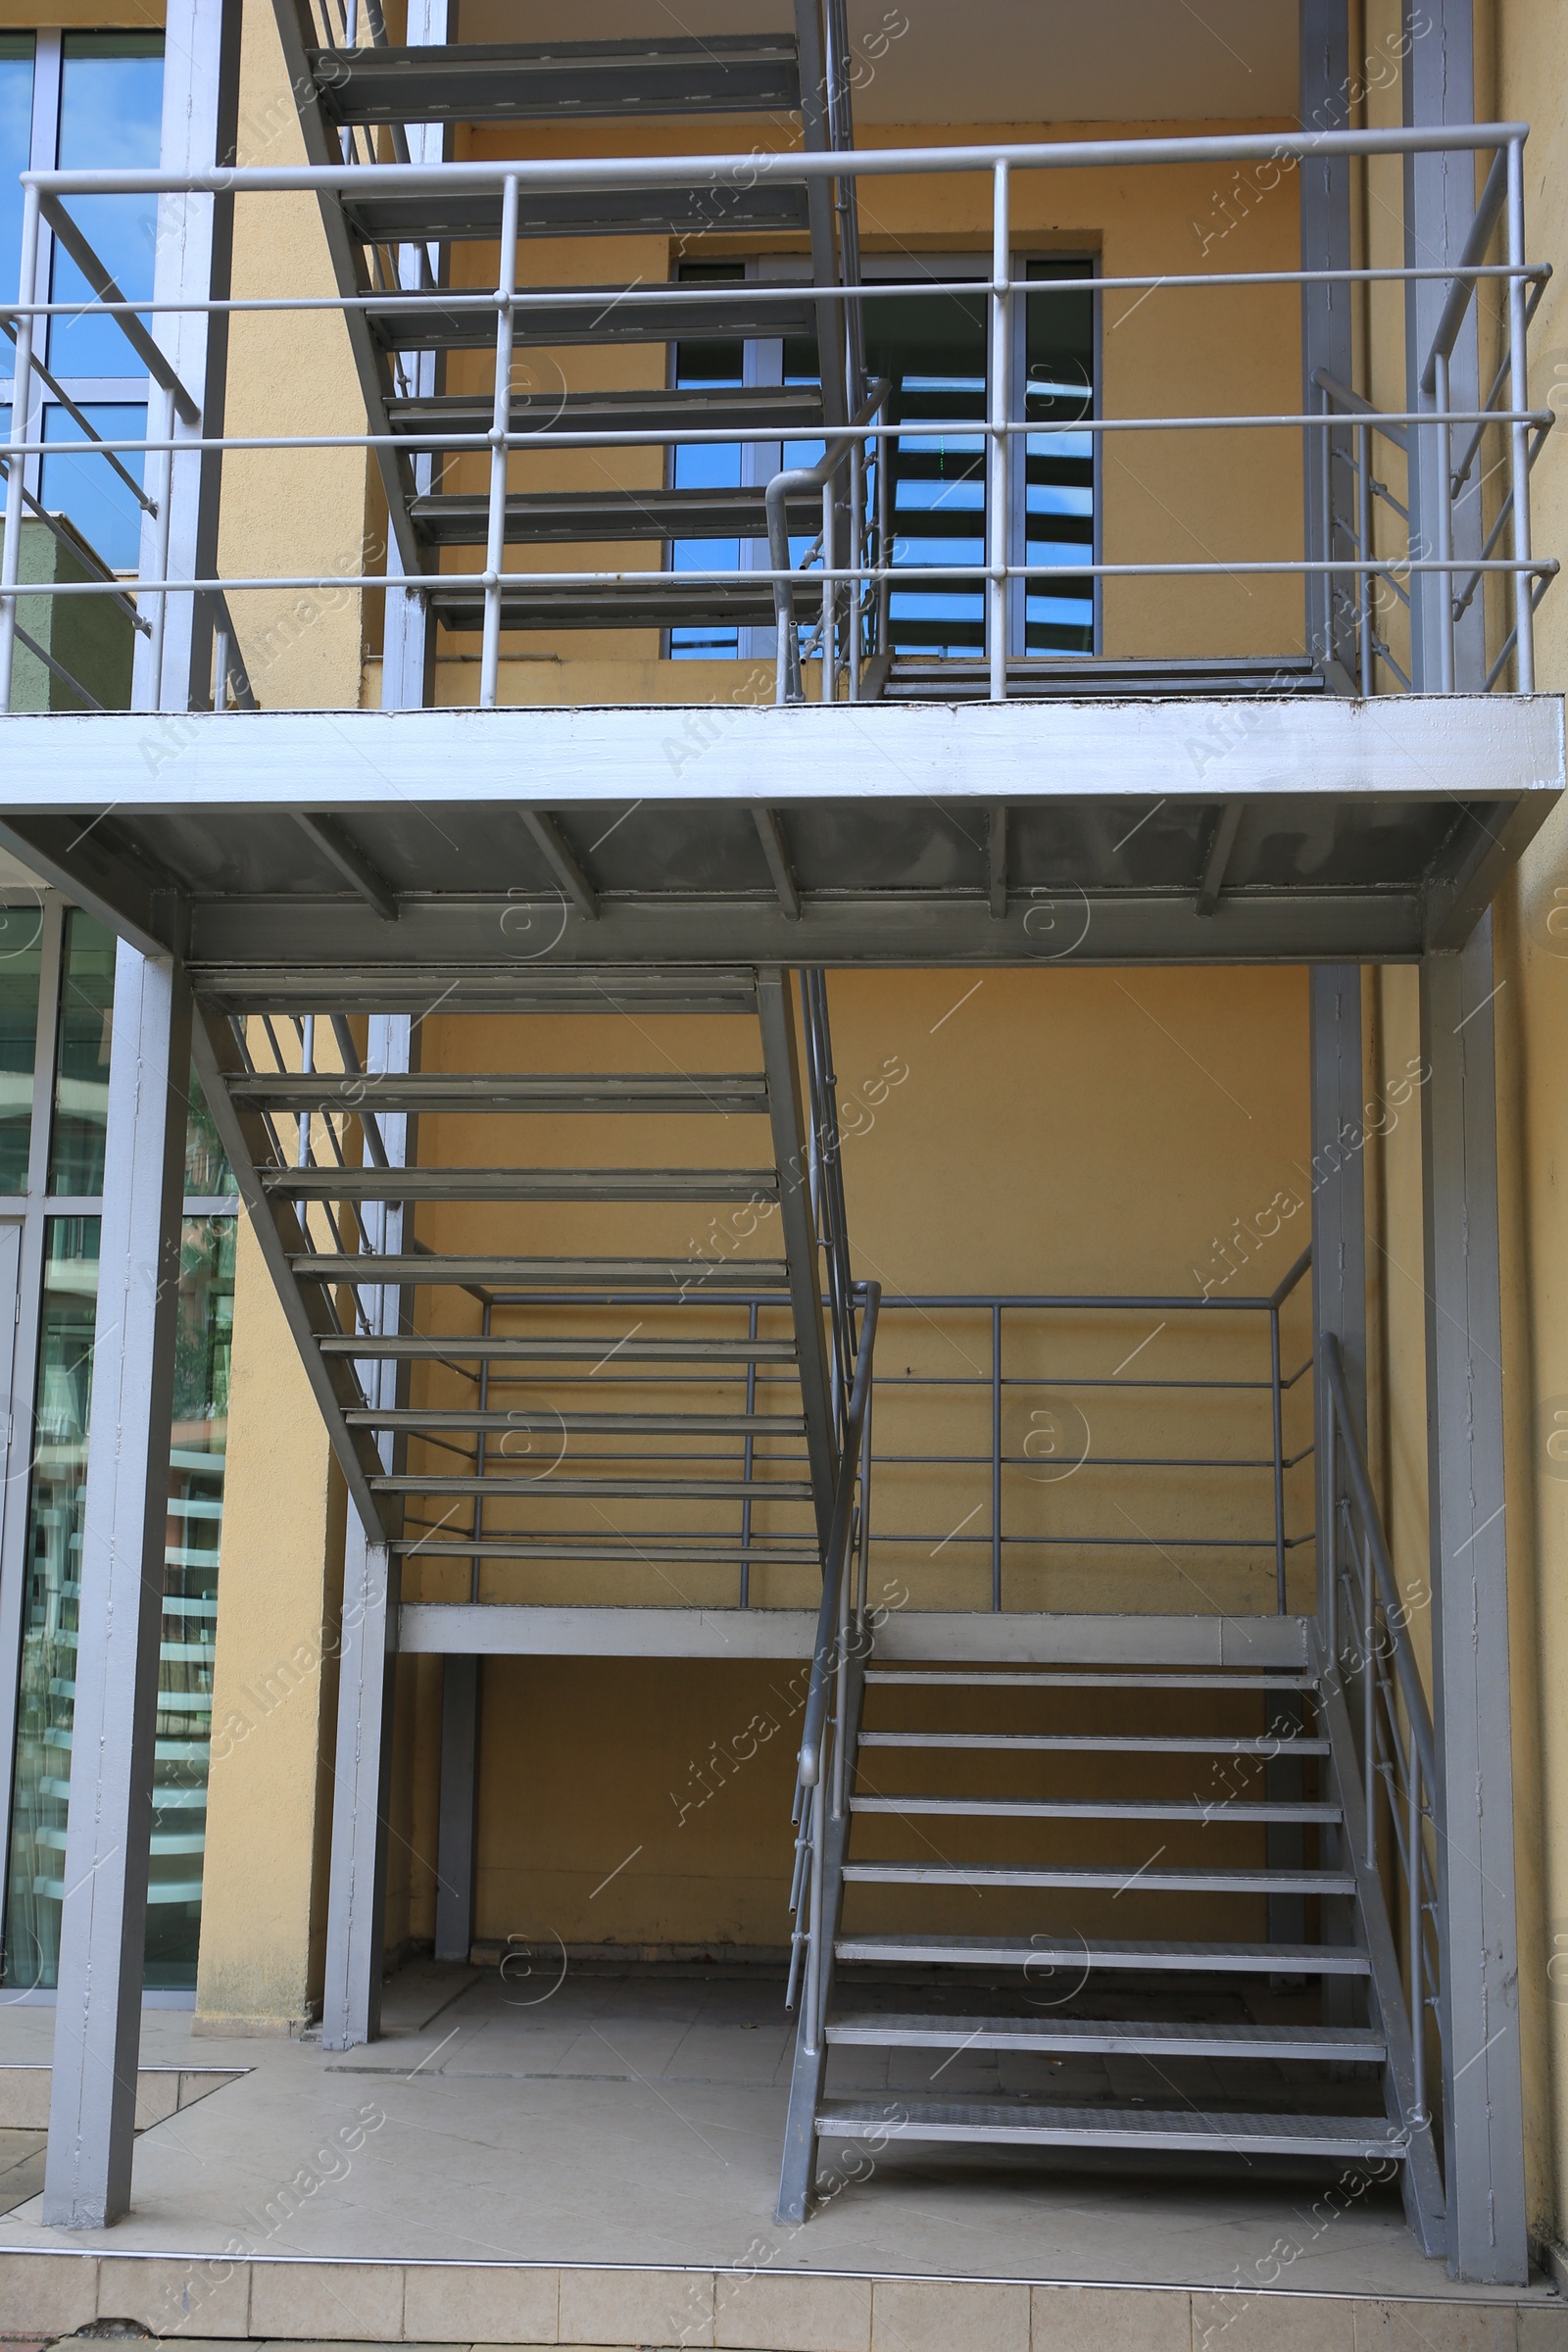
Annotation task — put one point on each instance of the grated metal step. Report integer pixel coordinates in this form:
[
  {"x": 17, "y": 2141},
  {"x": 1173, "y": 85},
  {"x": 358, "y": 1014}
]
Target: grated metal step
[
  {"x": 997, "y": 2124},
  {"x": 516, "y": 81},
  {"x": 567, "y": 1094},
  {"x": 461, "y": 215},
  {"x": 459, "y": 1346},
  {"x": 417, "y": 1421},
  {"x": 561, "y": 517},
  {"x": 1133, "y": 2037},
  {"x": 1140, "y": 1879},
  {"x": 522, "y": 1184},
  {"x": 1128, "y": 1744},
  {"x": 1235, "y": 1810},
  {"x": 788, "y": 409},
  {"x": 1047, "y": 1953},
  {"x": 1071, "y": 678},
  {"x": 1054, "y": 1679},
  {"x": 688, "y": 1277},
  {"x": 548, "y": 1485},
  {"x": 567, "y": 316},
  {"x": 627, "y": 604}
]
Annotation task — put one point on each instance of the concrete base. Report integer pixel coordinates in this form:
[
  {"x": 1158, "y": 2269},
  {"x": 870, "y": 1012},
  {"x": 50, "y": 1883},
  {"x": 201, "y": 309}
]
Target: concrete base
[{"x": 579, "y": 2158}]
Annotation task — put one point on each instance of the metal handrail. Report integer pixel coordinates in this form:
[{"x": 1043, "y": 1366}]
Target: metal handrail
[
  {"x": 830, "y": 1674},
  {"x": 793, "y": 482},
  {"x": 1347, "y": 1440}
]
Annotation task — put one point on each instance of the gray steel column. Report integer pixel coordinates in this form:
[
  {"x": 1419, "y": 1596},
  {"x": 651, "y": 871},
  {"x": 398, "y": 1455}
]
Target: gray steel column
[
  {"x": 1440, "y": 203},
  {"x": 102, "y": 1913},
  {"x": 1324, "y": 34},
  {"x": 1483, "y": 2097},
  {"x": 351, "y": 2002},
  {"x": 459, "y": 1808},
  {"x": 408, "y": 650},
  {"x": 192, "y": 260}
]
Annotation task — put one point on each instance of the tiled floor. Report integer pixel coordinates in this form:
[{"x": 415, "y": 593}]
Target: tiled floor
[{"x": 567, "y": 2118}]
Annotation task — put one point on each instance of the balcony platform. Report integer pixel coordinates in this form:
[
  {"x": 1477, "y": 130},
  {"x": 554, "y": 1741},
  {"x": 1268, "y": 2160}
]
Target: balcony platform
[
  {"x": 363, "y": 855},
  {"x": 588, "y": 2155}
]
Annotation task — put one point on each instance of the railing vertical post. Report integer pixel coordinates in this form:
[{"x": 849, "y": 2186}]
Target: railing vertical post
[
  {"x": 812, "y": 1990},
  {"x": 1279, "y": 1457},
  {"x": 1364, "y": 533},
  {"x": 1325, "y": 502},
  {"x": 995, "y": 1455},
  {"x": 863, "y": 1563},
  {"x": 999, "y": 468},
  {"x": 852, "y": 634},
  {"x": 884, "y": 538},
  {"x": 749, "y": 1458},
  {"x": 163, "y": 408},
  {"x": 500, "y": 426},
  {"x": 1519, "y": 434},
  {"x": 21, "y": 408},
  {"x": 829, "y": 595},
  {"x": 1369, "y": 1699},
  {"x": 1442, "y": 479}
]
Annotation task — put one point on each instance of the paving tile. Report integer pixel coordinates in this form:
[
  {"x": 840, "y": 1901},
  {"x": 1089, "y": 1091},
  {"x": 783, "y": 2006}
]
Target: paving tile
[
  {"x": 1274, "y": 2322},
  {"x": 25, "y": 2097},
  {"x": 1434, "y": 2327},
  {"x": 335, "y": 2302},
  {"x": 637, "y": 2307},
  {"x": 1543, "y": 2326},
  {"x": 47, "y": 2294},
  {"x": 175, "y": 2297},
  {"x": 1088, "y": 2319},
  {"x": 489, "y": 2303},
  {"x": 918, "y": 2315},
  {"x": 764, "y": 2312}
]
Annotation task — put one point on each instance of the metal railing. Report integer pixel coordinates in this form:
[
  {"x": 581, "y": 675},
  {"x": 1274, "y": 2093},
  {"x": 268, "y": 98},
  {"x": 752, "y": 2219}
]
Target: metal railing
[
  {"x": 1268, "y": 1384},
  {"x": 831, "y": 1709},
  {"x": 177, "y": 443},
  {"x": 1367, "y": 1645}
]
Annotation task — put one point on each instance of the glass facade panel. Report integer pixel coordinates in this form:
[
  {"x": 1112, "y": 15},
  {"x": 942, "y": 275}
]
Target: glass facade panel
[
  {"x": 47, "y": 1696},
  {"x": 46, "y": 1699},
  {"x": 110, "y": 110},
  {"x": 78, "y": 483},
  {"x": 20, "y": 966},
  {"x": 16, "y": 145},
  {"x": 81, "y": 1058}
]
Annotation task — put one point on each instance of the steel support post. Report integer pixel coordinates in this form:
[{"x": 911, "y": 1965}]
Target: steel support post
[
  {"x": 408, "y": 650},
  {"x": 191, "y": 263},
  {"x": 351, "y": 2004},
  {"x": 787, "y": 1116},
  {"x": 1478, "y": 1932},
  {"x": 1339, "y": 1304},
  {"x": 1440, "y": 203},
  {"x": 1324, "y": 28},
  {"x": 459, "y": 1808},
  {"x": 103, "y": 1914}
]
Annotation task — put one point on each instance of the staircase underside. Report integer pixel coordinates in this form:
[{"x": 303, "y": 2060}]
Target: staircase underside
[{"x": 1281, "y": 828}]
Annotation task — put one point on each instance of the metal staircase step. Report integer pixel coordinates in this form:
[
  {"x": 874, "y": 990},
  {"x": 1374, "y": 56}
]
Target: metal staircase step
[
  {"x": 1112, "y": 2037},
  {"x": 578, "y": 314},
  {"x": 598, "y": 1348},
  {"x": 537, "y": 81},
  {"x": 522, "y": 1184},
  {"x": 1209, "y": 1810},
  {"x": 1044, "y": 1952},
  {"x": 1123, "y": 1744},
  {"x": 560, "y": 517},
  {"x": 692, "y": 1552},
  {"x": 999, "y": 2125},
  {"x": 789, "y": 410},
  {"x": 1054, "y": 1679},
  {"x": 1144, "y": 1879},
  {"x": 461, "y": 215},
  {"x": 628, "y": 603},
  {"x": 569, "y": 1095},
  {"x": 548, "y": 1485},
  {"x": 674, "y": 1278},
  {"x": 415, "y": 1421}
]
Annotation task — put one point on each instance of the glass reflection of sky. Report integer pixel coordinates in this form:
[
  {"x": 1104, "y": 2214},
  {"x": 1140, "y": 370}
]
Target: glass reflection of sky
[{"x": 111, "y": 107}]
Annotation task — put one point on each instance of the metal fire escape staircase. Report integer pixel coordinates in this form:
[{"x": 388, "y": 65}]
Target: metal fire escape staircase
[
  {"x": 527, "y": 1408},
  {"x": 990, "y": 1861},
  {"x": 359, "y": 103}
]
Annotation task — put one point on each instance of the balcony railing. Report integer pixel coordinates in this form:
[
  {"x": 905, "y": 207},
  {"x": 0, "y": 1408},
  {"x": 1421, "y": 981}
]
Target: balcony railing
[{"x": 1362, "y": 551}]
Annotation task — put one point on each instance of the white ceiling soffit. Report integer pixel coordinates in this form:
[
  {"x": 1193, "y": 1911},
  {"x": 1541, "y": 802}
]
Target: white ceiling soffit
[{"x": 985, "y": 61}]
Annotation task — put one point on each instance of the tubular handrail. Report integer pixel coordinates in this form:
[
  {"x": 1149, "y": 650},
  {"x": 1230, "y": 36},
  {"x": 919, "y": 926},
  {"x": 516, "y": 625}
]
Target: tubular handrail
[
  {"x": 793, "y": 482},
  {"x": 1347, "y": 1436},
  {"x": 814, "y": 1730}
]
